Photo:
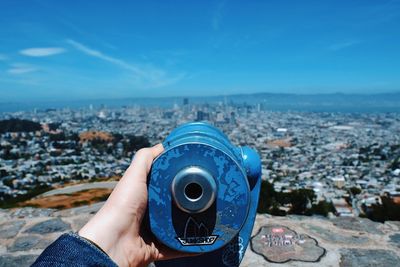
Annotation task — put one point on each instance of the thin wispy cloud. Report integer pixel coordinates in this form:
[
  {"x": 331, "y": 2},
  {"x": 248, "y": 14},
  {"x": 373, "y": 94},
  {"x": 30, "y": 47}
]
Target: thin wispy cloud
[
  {"x": 42, "y": 51},
  {"x": 144, "y": 75},
  {"x": 3, "y": 57},
  {"x": 17, "y": 69},
  {"x": 95, "y": 53},
  {"x": 343, "y": 45}
]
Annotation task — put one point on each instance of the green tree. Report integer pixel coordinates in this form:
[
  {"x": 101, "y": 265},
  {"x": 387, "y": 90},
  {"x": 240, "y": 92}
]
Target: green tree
[
  {"x": 355, "y": 190},
  {"x": 300, "y": 199},
  {"x": 322, "y": 208},
  {"x": 267, "y": 194}
]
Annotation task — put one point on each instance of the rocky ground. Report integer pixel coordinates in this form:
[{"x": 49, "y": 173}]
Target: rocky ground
[{"x": 277, "y": 241}]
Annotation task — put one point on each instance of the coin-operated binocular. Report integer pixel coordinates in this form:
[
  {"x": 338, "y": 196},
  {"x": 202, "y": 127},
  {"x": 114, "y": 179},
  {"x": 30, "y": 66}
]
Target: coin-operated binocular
[{"x": 203, "y": 196}]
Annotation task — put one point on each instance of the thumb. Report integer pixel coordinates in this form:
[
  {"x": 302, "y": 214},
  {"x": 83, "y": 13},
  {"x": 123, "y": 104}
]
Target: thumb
[{"x": 141, "y": 163}]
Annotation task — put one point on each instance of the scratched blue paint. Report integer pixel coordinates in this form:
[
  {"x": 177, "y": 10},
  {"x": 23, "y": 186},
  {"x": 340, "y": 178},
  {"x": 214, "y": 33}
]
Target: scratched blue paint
[{"x": 200, "y": 144}]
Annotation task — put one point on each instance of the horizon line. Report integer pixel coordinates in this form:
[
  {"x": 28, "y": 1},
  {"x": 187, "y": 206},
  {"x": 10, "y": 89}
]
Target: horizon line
[{"x": 202, "y": 96}]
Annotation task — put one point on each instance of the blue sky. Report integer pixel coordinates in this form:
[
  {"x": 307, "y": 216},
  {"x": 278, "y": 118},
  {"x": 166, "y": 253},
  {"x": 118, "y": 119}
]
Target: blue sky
[{"x": 52, "y": 50}]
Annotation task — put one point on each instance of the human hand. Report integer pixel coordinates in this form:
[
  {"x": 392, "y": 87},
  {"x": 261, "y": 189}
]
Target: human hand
[{"x": 116, "y": 227}]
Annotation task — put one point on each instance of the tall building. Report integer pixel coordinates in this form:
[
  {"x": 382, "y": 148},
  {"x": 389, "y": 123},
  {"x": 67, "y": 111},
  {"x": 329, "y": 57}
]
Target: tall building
[
  {"x": 202, "y": 116},
  {"x": 185, "y": 107},
  {"x": 232, "y": 119}
]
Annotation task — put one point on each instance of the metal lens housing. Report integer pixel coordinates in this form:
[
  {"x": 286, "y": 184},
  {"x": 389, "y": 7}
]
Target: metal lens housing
[{"x": 193, "y": 189}]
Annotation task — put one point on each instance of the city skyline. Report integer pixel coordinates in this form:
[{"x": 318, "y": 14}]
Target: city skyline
[
  {"x": 328, "y": 154},
  {"x": 70, "y": 51}
]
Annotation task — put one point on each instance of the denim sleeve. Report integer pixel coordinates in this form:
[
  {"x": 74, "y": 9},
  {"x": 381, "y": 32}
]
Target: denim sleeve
[{"x": 73, "y": 250}]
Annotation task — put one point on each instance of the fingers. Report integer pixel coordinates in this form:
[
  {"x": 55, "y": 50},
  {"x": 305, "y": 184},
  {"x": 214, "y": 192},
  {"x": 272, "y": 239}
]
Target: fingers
[
  {"x": 173, "y": 254},
  {"x": 141, "y": 163},
  {"x": 165, "y": 253},
  {"x": 159, "y": 250},
  {"x": 157, "y": 150},
  {"x": 145, "y": 156}
]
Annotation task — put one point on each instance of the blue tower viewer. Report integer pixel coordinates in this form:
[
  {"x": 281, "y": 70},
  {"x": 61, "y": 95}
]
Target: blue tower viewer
[{"x": 203, "y": 196}]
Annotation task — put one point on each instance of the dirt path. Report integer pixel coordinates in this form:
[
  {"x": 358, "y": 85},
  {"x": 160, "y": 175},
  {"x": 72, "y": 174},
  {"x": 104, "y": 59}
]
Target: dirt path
[{"x": 80, "y": 187}]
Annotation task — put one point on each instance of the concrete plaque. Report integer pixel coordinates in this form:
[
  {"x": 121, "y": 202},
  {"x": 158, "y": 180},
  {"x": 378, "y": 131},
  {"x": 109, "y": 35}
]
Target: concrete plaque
[{"x": 279, "y": 244}]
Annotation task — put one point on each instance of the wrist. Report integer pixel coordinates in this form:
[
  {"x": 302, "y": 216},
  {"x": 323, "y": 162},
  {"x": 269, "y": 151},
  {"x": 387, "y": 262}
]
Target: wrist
[
  {"x": 97, "y": 231},
  {"x": 122, "y": 250},
  {"x": 91, "y": 243}
]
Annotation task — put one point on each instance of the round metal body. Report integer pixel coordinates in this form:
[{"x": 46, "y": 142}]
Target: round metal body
[{"x": 199, "y": 189}]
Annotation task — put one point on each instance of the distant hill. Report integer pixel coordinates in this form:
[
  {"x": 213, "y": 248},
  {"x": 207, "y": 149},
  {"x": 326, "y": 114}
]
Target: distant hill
[
  {"x": 324, "y": 102},
  {"x": 17, "y": 125},
  {"x": 336, "y": 102}
]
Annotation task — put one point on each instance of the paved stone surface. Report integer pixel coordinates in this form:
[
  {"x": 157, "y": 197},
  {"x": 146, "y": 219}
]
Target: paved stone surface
[
  {"x": 24, "y": 243},
  {"x": 395, "y": 239},
  {"x": 11, "y": 228},
  {"x": 84, "y": 210},
  {"x": 17, "y": 261},
  {"x": 280, "y": 244},
  {"x": 49, "y": 226},
  {"x": 394, "y": 225},
  {"x": 24, "y": 233},
  {"x": 30, "y": 213},
  {"x": 357, "y": 224},
  {"x": 368, "y": 258},
  {"x": 397, "y": 223},
  {"x": 335, "y": 237},
  {"x": 79, "y": 222},
  {"x": 4, "y": 216}
]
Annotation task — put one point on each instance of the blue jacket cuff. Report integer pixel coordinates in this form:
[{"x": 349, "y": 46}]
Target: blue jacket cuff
[{"x": 72, "y": 250}]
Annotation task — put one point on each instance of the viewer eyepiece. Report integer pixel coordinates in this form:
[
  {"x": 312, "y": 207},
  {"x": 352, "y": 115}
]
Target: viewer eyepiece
[{"x": 193, "y": 189}]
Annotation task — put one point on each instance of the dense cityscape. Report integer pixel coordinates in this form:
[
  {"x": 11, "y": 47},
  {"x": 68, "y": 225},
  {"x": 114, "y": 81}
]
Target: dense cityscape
[{"x": 346, "y": 164}]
